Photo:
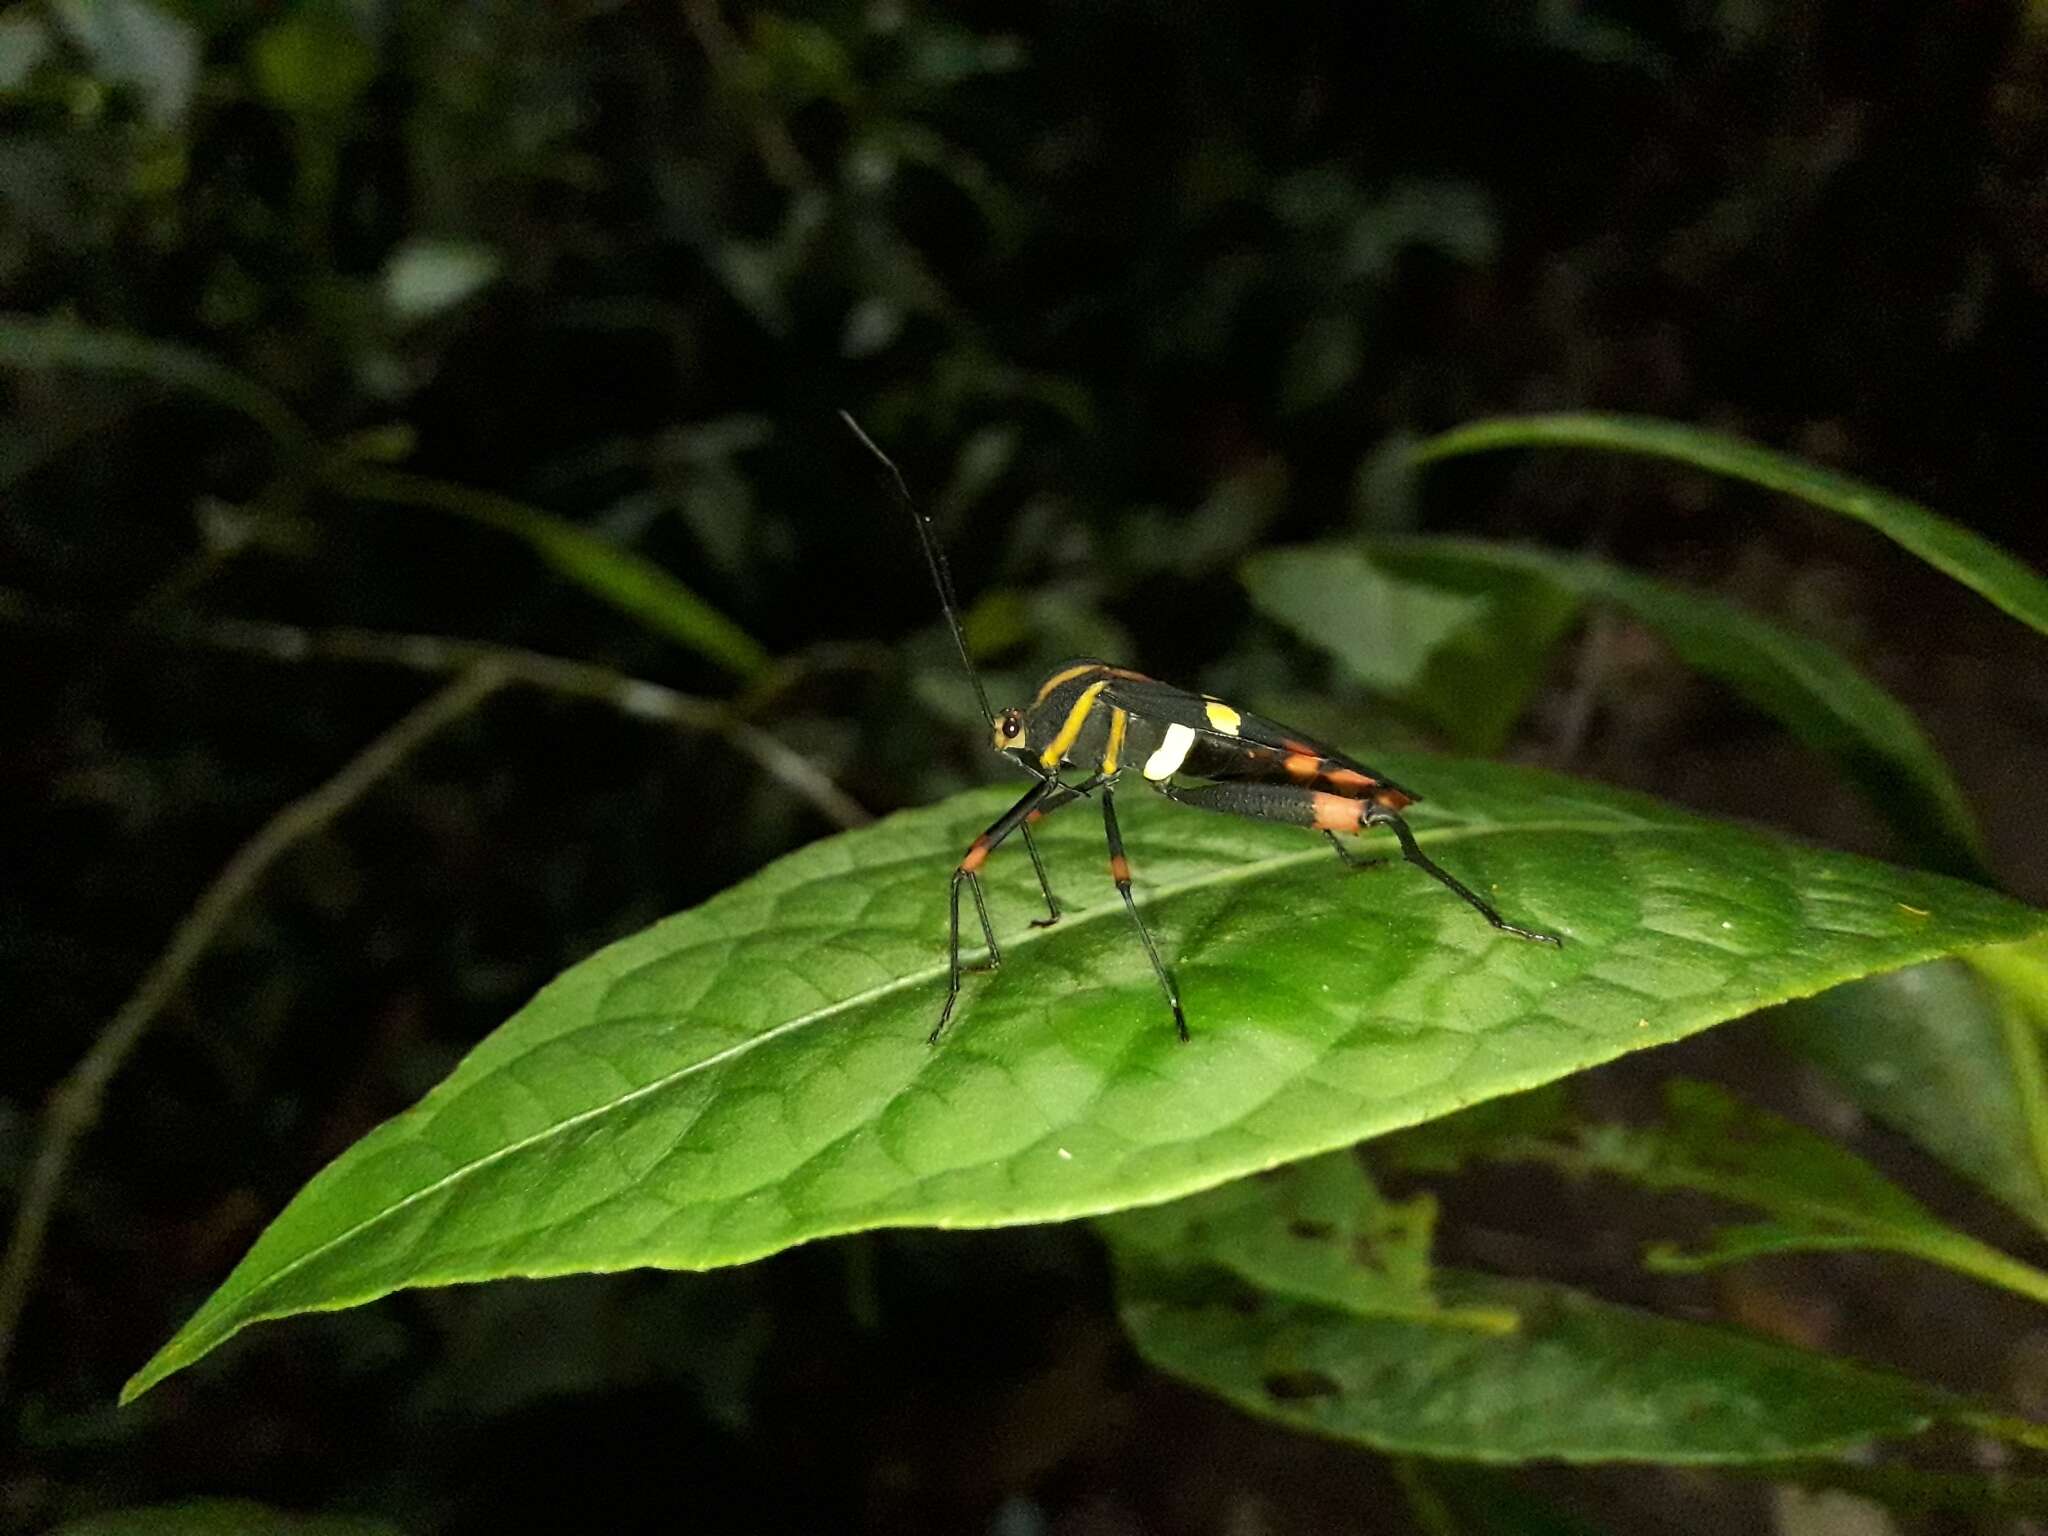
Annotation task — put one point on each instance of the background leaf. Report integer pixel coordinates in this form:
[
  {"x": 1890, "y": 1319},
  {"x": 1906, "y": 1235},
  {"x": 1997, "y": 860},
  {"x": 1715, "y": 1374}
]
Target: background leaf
[
  {"x": 1581, "y": 1380},
  {"x": 752, "y": 1073},
  {"x": 33, "y": 342},
  {"x": 1317, "y": 1231},
  {"x": 1464, "y": 660},
  {"x": 1805, "y": 685},
  {"x": 1912, "y": 1046},
  {"x": 630, "y": 582},
  {"x": 1949, "y": 547},
  {"x": 220, "y": 1517},
  {"x": 1818, "y": 1194}
]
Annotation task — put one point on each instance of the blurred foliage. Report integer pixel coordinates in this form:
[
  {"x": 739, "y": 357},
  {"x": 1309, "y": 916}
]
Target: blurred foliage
[{"x": 1133, "y": 293}]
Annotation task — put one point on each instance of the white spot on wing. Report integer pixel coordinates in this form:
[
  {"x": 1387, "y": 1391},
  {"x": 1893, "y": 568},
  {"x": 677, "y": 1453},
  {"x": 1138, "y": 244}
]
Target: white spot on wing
[{"x": 1173, "y": 751}]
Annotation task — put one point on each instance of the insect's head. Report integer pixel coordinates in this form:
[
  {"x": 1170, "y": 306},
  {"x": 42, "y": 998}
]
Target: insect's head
[{"x": 1007, "y": 731}]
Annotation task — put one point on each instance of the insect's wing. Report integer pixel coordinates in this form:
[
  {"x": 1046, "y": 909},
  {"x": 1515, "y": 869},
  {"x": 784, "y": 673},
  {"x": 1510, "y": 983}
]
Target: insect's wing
[{"x": 1239, "y": 747}]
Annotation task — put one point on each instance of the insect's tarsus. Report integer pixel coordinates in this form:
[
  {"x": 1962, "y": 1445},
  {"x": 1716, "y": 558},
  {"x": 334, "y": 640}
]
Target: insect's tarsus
[{"x": 1422, "y": 861}]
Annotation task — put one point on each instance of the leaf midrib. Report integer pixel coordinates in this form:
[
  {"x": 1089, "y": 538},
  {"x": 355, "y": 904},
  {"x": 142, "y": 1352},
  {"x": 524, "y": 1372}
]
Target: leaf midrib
[{"x": 1223, "y": 876}]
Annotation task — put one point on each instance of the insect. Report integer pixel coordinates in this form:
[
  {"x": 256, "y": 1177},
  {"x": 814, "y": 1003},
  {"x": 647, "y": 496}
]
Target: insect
[{"x": 1091, "y": 723}]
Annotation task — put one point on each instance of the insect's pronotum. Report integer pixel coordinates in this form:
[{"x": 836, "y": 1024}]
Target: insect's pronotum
[{"x": 1090, "y": 723}]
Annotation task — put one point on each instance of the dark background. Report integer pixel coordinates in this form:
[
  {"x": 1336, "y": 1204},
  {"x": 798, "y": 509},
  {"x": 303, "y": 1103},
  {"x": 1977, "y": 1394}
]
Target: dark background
[{"x": 1129, "y": 290}]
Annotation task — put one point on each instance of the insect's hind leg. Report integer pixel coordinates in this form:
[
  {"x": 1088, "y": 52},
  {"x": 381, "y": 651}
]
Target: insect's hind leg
[
  {"x": 1300, "y": 806},
  {"x": 1120, "y": 872},
  {"x": 1379, "y": 816}
]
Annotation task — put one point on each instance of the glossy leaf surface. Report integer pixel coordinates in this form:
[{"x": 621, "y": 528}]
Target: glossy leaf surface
[
  {"x": 1947, "y": 546},
  {"x": 752, "y": 1073}
]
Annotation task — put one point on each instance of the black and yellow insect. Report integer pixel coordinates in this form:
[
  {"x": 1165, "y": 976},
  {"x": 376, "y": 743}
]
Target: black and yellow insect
[{"x": 1091, "y": 723}]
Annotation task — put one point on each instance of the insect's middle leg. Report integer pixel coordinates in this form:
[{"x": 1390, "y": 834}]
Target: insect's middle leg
[{"x": 1120, "y": 872}]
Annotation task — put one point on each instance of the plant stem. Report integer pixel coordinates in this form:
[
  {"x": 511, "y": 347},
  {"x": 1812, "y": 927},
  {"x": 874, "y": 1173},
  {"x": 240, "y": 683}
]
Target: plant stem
[{"x": 74, "y": 1104}]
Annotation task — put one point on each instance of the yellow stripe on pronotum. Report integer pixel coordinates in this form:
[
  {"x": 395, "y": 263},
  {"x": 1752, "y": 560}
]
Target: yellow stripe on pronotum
[
  {"x": 1046, "y": 688},
  {"x": 1070, "y": 728}
]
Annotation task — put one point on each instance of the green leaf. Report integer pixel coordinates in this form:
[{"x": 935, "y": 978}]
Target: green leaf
[
  {"x": 1462, "y": 653},
  {"x": 1814, "y": 692},
  {"x": 1582, "y": 1380},
  {"x": 220, "y": 1517},
  {"x": 36, "y": 343},
  {"x": 1912, "y": 1046},
  {"x": 314, "y": 61},
  {"x": 1462, "y": 1499},
  {"x": 426, "y": 277},
  {"x": 631, "y": 583},
  {"x": 1383, "y": 629},
  {"x": 1950, "y": 548},
  {"x": 752, "y": 1073},
  {"x": 1818, "y": 1195},
  {"x": 1316, "y": 1231},
  {"x": 141, "y": 44}
]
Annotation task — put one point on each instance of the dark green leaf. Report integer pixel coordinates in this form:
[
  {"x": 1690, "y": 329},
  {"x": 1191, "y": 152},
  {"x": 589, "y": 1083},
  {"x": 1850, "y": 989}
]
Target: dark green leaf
[
  {"x": 1912, "y": 1046},
  {"x": 1458, "y": 644},
  {"x": 32, "y": 342},
  {"x": 1818, "y": 1195},
  {"x": 313, "y": 61},
  {"x": 142, "y": 44},
  {"x": 1315, "y": 1231},
  {"x": 1582, "y": 1380},
  {"x": 631, "y": 583},
  {"x": 752, "y": 1073},
  {"x": 220, "y": 1517},
  {"x": 1383, "y": 629},
  {"x": 1948, "y": 547},
  {"x": 1816, "y": 694}
]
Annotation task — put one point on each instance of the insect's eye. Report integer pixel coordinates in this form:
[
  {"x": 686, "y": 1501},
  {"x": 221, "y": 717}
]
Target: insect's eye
[{"x": 1011, "y": 726}]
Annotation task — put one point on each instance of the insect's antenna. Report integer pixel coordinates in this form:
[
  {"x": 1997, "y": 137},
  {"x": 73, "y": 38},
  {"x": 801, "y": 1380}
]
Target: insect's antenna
[{"x": 934, "y": 557}]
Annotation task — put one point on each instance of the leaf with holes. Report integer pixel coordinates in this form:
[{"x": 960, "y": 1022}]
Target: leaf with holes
[
  {"x": 1816, "y": 1195},
  {"x": 753, "y": 1074},
  {"x": 1579, "y": 1380},
  {"x": 1317, "y": 1231}
]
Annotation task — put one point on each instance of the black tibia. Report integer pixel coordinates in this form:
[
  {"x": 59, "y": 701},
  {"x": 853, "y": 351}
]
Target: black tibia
[
  {"x": 1376, "y": 817},
  {"x": 1034, "y": 798},
  {"x": 1120, "y": 871},
  {"x": 1056, "y": 797}
]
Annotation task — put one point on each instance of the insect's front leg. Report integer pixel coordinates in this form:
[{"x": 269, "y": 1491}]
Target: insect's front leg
[
  {"x": 1057, "y": 796},
  {"x": 968, "y": 873}
]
